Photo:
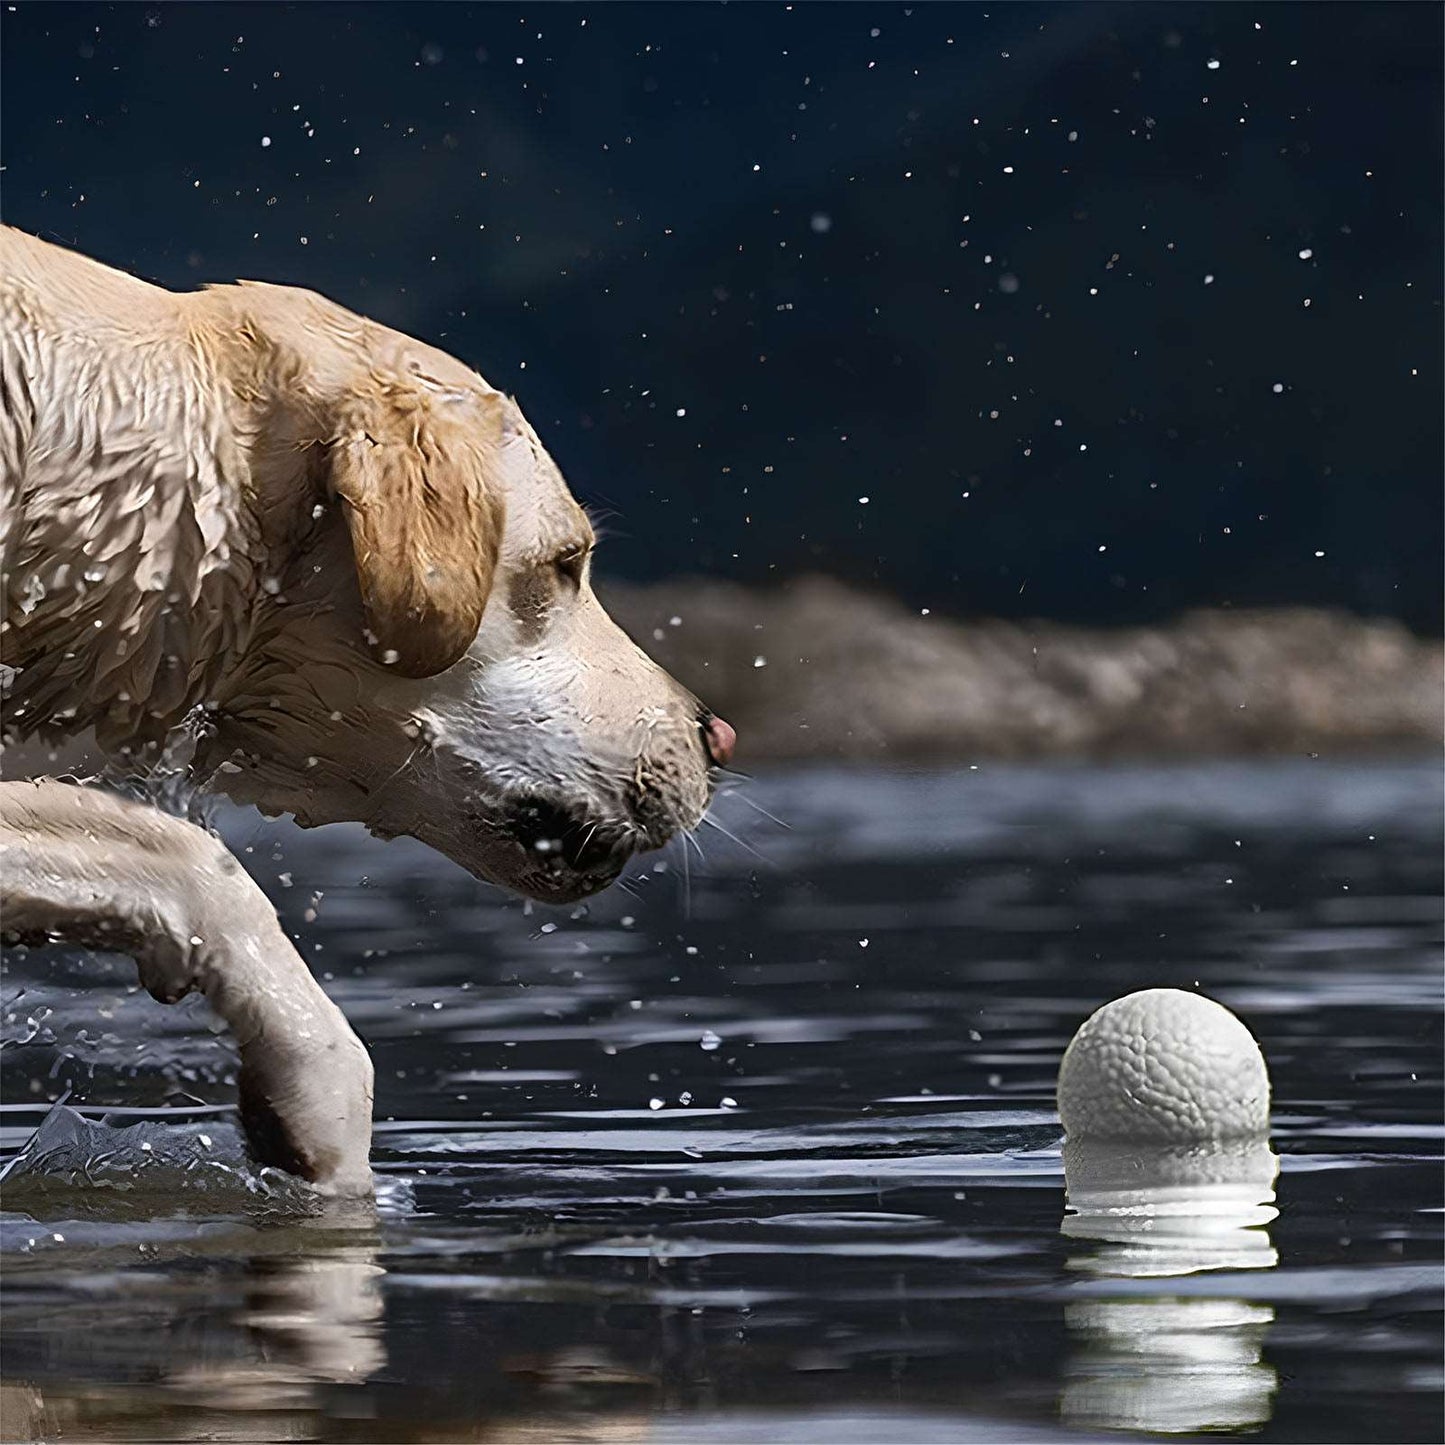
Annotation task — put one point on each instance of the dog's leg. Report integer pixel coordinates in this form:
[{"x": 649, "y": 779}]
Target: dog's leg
[{"x": 84, "y": 867}]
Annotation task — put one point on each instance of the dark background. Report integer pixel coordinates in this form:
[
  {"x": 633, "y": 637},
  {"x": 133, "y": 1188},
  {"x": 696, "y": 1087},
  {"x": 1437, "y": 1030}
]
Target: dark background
[{"x": 746, "y": 265}]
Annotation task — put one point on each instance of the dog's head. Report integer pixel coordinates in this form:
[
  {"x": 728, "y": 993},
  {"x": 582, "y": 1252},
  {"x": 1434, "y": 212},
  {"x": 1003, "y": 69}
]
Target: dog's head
[{"x": 431, "y": 659}]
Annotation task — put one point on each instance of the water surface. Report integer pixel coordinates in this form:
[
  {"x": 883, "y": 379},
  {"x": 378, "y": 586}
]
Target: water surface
[{"x": 763, "y": 1147}]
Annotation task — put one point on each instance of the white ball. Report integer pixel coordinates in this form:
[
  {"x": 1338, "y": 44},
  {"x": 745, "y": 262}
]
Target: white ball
[{"x": 1163, "y": 1066}]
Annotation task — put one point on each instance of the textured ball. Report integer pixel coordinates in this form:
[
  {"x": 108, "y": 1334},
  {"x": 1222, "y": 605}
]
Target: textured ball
[{"x": 1163, "y": 1066}]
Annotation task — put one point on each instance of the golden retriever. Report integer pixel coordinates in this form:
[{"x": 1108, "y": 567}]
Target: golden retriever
[{"x": 346, "y": 563}]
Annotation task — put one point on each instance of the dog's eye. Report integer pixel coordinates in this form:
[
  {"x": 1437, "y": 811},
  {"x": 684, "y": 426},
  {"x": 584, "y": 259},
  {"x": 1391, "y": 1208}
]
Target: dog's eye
[{"x": 572, "y": 565}]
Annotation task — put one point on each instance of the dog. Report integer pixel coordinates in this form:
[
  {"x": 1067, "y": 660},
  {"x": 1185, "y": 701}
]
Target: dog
[{"x": 348, "y": 565}]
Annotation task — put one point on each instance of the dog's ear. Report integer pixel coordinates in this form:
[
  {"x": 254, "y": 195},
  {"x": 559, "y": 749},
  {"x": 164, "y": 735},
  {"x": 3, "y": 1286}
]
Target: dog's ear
[{"x": 416, "y": 468}]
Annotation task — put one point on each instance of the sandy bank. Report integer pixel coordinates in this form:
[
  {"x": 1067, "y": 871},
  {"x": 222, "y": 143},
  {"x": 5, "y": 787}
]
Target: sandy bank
[{"x": 817, "y": 669}]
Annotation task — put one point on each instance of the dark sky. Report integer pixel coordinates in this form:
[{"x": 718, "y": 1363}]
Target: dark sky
[{"x": 1107, "y": 310}]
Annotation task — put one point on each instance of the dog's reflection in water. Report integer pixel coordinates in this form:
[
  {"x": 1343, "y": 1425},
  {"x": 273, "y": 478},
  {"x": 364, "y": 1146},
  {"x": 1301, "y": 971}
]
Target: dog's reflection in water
[
  {"x": 1173, "y": 1358},
  {"x": 262, "y": 1300},
  {"x": 313, "y": 1318},
  {"x": 308, "y": 1306}
]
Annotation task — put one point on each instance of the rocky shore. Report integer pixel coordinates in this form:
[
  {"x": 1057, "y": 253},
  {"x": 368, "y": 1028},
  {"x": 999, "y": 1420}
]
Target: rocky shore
[{"x": 815, "y": 669}]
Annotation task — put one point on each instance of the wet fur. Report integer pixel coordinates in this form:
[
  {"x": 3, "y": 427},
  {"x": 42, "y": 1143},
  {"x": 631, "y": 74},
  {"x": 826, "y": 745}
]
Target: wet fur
[
  {"x": 340, "y": 544},
  {"x": 354, "y": 562}
]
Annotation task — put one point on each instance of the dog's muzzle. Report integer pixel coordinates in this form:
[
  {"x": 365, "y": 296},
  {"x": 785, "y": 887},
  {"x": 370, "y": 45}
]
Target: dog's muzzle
[{"x": 565, "y": 844}]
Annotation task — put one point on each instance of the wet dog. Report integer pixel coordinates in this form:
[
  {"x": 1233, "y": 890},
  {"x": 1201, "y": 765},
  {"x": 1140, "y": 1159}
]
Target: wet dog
[{"x": 354, "y": 559}]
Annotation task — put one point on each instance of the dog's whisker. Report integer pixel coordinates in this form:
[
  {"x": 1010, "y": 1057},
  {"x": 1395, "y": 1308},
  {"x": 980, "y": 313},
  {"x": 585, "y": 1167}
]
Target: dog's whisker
[
  {"x": 406, "y": 763},
  {"x": 686, "y": 881},
  {"x": 757, "y": 807},
  {"x": 733, "y": 837}
]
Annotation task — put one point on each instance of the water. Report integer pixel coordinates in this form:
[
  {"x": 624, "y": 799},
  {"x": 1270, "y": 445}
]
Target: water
[{"x": 769, "y": 1152}]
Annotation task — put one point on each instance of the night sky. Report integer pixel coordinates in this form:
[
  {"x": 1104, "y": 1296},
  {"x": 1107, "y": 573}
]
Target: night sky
[{"x": 1106, "y": 310}]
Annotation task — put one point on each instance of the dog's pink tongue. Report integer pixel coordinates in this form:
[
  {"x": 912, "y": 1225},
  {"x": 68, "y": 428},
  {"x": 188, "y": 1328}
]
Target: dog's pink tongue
[{"x": 721, "y": 740}]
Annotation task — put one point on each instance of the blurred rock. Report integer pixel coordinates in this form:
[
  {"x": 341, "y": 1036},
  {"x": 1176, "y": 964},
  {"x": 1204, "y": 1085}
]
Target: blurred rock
[{"x": 817, "y": 669}]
